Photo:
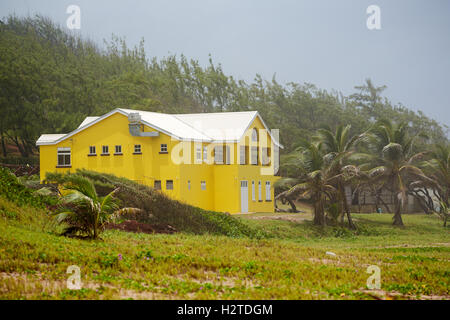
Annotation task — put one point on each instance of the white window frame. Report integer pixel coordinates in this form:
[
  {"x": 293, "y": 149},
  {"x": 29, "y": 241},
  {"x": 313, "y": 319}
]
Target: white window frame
[
  {"x": 268, "y": 194},
  {"x": 198, "y": 154},
  {"x": 137, "y": 149},
  {"x": 242, "y": 155},
  {"x": 163, "y": 148},
  {"x": 218, "y": 154},
  {"x": 92, "y": 148},
  {"x": 227, "y": 155},
  {"x": 205, "y": 153},
  {"x": 118, "y": 149},
  {"x": 64, "y": 152},
  {"x": 255, "y": 135},
  {"x": 265, "y": 156},
  {"x": 253, "y": 191},
  {"x": 103, "y": 149},
  {"x": 259, "y": 191},
  {"x": 254, "y": 155}
]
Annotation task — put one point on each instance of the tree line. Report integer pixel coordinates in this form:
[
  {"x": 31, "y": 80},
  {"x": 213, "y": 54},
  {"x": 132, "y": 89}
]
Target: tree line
[
  {"x": 50, "y": 79},
  {"x": 385, "y": 157}
]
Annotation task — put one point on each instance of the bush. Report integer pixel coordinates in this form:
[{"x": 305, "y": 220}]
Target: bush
[
  {"x": 12, "y": 189},
  {"x": 158, "y": 208},
  {"x": 20, "y": 160}
]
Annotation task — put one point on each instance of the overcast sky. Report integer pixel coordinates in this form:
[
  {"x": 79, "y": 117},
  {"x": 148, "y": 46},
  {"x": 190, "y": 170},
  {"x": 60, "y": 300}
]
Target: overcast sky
[{"x": 324, "y": 42}]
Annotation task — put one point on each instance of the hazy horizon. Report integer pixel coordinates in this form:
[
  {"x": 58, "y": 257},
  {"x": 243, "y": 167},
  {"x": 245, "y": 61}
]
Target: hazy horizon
[{"x": 326, "y": 43}]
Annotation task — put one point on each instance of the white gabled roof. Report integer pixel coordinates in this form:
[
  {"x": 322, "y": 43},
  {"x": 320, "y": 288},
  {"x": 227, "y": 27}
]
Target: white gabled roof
[
  {"x": 87, "y": 121},
  {"x": 49, "y": 138},
  {"x": 206, "y": 127},
  {"x": 220, "y": 126},
  {"x": 169, "y": 125}
]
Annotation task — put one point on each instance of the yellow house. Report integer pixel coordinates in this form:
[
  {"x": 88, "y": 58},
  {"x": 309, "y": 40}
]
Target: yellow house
[{"x": 216, "y": 161}]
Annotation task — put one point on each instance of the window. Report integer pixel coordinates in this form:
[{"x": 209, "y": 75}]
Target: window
[
  {"x": 253, "y": 191},
  {"x": 189, "y": 184},
  {"x": 268, "y": 198},
  {"x": 198, "y": 153},
  {"x": 157, "y": 184},
  {"x": 243, "y": 155},
  {"x": 64, "y": 157},
  {"x": 254, "y": 135},
  {"x": 259, "y": 191},
  {"x": 227, "y": 155},
  {"x": 254, "y": 155},
  {"x": 218, "y": 154},
  {"x": 203, "y": 185},
  {"x": 276, "y": 160},
  {"x": 163, "y": 148},
  {"x": 118, "y": 150},
  {"x": 137, "y": 149},
  {"x": 92, "y": 150},
  {"x": 205, "y": 153},
  {"x": 169, "y": 184},
  {"x": 266, "y": 156},
  {"x": 105, "y": 150}
]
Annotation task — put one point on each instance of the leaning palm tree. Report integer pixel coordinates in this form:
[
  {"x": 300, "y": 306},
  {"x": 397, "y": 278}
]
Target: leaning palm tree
[
  {"x": 83, "y": 211},
  {"x": 315, "y": 177},
  {"x": 393, "y": 162},
  {"x": 340, "y": 144},
  {"x": 438, "y": 169}
]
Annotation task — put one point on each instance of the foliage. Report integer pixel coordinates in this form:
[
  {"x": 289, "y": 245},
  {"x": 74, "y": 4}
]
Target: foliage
[
  {"x": 444, "y": 213},
  {"x": 292, "y": 264},
  {"x": 83, "y": 211},
  {"x": 155, "y": 207},
  {"x": 393, "y": 161},
  {"x": 12, "y": 189},
  {"x": 315, "y": 177},
  {"x": 51, "y": 80}
]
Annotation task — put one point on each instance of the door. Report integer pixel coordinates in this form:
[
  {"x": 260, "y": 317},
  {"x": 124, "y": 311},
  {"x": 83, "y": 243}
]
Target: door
[{"x": 244, "y": 196}]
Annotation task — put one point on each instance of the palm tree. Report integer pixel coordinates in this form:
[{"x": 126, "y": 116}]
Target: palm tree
[
  {"x": 340, "y": 144},
  {"x": 315, "y": 178},
  {"x": 393, "y": 161},
  {"x": 438, "y": 169},
  {"x": 84, "y": 211}
]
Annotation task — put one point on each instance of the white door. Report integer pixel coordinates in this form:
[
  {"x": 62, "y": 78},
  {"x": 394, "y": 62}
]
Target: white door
[{"x": 244, "y": 196}]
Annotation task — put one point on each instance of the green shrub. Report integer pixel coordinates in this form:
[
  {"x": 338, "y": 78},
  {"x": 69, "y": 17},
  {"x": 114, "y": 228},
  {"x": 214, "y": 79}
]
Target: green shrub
[
  {"x": 12, "y": 189},
  {"x": 158, "y": 208}
]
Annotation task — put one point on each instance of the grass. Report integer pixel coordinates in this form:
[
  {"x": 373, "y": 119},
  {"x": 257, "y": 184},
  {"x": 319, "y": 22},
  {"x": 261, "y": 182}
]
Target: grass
[{"x": 290, "y": 262}]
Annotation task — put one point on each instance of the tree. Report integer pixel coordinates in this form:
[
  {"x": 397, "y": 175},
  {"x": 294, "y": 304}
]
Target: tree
[
  {"x": 393, "y": 161},
  {"x": 316, "y": 177},
  {"x": 83, "y": 210},
  {"x": 340, "y": 145}
]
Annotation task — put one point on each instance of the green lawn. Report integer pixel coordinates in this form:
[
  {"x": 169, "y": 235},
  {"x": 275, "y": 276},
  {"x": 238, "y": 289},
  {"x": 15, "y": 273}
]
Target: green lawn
[{"x": 289, "y": 263}]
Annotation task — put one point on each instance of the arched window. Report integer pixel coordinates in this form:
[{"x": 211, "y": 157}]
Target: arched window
[{"x": 254, "y": 135}]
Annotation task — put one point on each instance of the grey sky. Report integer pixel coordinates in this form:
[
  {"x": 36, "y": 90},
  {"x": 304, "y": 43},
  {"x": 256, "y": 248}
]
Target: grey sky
[{"x": 324, "y": 42}]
